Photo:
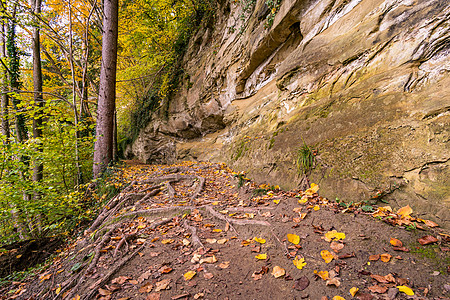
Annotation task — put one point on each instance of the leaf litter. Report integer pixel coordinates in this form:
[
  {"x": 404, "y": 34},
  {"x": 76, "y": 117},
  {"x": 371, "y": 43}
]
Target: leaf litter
[{"x": 198, "y": 237}]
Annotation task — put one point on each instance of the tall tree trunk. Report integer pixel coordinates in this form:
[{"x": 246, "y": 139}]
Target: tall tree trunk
[
  {"x": 103, "y": 148},
  {"x": 39, "y": 103},
  {"x": 4, "y": 86}
]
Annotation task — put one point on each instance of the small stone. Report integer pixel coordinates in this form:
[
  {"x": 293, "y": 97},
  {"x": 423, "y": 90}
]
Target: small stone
[
  {"x": 304, "y": 295},
  {"x": 392, "y": 293}
]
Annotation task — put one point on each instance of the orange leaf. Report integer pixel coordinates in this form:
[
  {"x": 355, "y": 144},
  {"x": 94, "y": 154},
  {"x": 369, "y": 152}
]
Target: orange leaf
[
  {"x": 428, "y": 239},
  {"x": 378, "y": 289},
  {"x": 374, "y": 257},
  {"x": 386, "y": 257},
  {"x": 405, "y": 211},
  {"x": 293, "y": 238},
  {"x": 327, "y": 256},
  {"x": 278, "y": 272},
  {"x": 396, "y": 243},
  {"x": 323, "y": 274}
]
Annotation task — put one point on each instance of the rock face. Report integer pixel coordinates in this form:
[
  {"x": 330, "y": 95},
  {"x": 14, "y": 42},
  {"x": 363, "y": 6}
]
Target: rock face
[{"x": 365, "y": 83}]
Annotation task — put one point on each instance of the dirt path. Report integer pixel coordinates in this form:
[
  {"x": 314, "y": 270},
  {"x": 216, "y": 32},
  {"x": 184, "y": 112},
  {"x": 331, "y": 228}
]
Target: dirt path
[{"x": 187, "y": 231}]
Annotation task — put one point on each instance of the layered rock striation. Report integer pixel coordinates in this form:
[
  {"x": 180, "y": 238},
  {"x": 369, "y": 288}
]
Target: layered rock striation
[{"x": 365, "y": 83}]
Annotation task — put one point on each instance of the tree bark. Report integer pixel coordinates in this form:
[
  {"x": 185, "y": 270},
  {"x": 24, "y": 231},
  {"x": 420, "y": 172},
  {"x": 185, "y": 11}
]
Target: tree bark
[
  {"x": 4, "y": 87},
  {"x": 103, "y": 148}
]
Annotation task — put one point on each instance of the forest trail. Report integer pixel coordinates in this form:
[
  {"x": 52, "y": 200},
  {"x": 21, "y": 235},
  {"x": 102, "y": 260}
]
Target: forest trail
[{"x": 196, "y": 230}]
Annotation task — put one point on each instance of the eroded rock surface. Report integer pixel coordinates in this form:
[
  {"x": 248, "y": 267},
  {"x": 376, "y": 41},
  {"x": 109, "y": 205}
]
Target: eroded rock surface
[{"x": 364, "y": 82}]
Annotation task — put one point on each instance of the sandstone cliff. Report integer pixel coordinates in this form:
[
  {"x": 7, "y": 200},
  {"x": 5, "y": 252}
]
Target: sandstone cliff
[{"x": 364, "y": 82}]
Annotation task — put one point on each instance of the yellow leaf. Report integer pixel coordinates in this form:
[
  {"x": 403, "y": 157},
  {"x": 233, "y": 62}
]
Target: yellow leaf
[
  {"x": 316, "y": 207},
  {"x": 222, "y": 241},
  {"x": 299, "y": 263},
  {"x": 323, "y": 274},
  {"x": 58, "y": 289},
  {"x": 215, "y": 203},
  {"x": 327, "y": 256},
  {"x": 77, "y": 297},
  {"x": 353, "y": 291},
  {"x": 45, "y": 276},
  {"x": 276, "y": 201},
  {"x": 274, "y": 10},
  {"x": 313, "y": 189},
  {"x": 293, "y": 238},
  {"x": 278, "y": 272},
  {"x": 261, "y": 256},
  {"x": 217, "y": 230},
  {"x": 406, "y": 290},
  {"x": 338, "y": 298},
  {"x": 261, "y": 241},
  {"x": 168, "y": 241},
  {"x": 302, "y": 201},
  {"x": 396, "y": 243},
  {"x": 405, "y": 211},
  {"x": 334, "y": 236},
  {"x": 189, "y": 275}
]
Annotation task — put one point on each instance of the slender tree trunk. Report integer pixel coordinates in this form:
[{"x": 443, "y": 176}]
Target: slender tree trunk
[
  {"x": 79, "y": 177},
  {"x": 4, "y": 86},
  {"x": 38, "y": 168},
  {"x": 103, "y": 148}
]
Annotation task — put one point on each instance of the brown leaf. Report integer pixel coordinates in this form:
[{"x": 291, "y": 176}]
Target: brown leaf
[
  {"x": 378, "y": 289},
  {"x": 144, "y": 276},
  {"x": 165, "y": 270},
  {"x": 153, "y": 296},
  {"x": 430, "y": 223},
  {"x": 224, "y": 265},
  {"x": 256, "y": 276},
  {"x": 364, "y": 296},
  {"x": 133, "y": 282},
  {"x": 334, "y": 281},
  {"x": 120, "y": 279},
  {"x": 301, "y": 283},
  {"x": 379, "y": 278},
  {"x": 146, "y": 288},
  {"x": 185, "y": 295},
  {"x": 104, "y": 292},
  {"x": 346, "y": 255},
  {"x": 386, "y": 257},
  {"x": 336, "y": 246},
  {"x": 404, "y": 249},
  {"x": 374, "y": 257},
  {"x": 396, "y": 243},
  {"x": 162, "y": 285},
  {"x": 208, "y": 275},
  {"x": 428, "y": 239}
]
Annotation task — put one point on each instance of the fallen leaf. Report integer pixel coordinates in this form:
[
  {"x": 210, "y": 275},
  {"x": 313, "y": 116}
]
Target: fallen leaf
[
  {"x": 224, "y": 265},
  {"x": 211, "y": 241},
  {"x": 374, "y": 257},
  {"x": 162, "y": 285},
  {"x": 144, "y": 276},
  {"x": 405, "y": 211},
  {"x": 261, "y": 241},
  {"x": 353, "y": 291},
  {"x": 199, "y": 295},
  {"x": 222, "y": 241},
  {"x": 121, "y": 279},
  {"x": 276, "y": 201},
  {"x": 58, "y": 290},
  {"x": 45, "y": 276},
  {"x": 313, "y": 189},
  {"x": 208, "y": 275},
  {"x": 316, "y": 207},
  {"x": 278, "y": 272},
  {"x": 217, "y": 230},
  {"x": 333, "y": 235},
  {"x": 168, "y": 241},
  {"x": 386, "y": 257},
  {"x": 338, "y": 298},
  {"x": 77, "y": 297},
  {"x": 133, "y": 281},
  {"x": 428, "y": 239},
  {"x": 293, "y": 238},
  {"x": 323, "y": 274},
  {"x": 146, "y": 288},
  {"x": 404, "y": 289},
  {"x": 165, "y": 270},
  {"x": 396, "y": 243},
  {"x": 336, "y": 247},
  {"x": 299, "y": 262},
  {"x": 186, "y": 242},
  {"x": 335, "y": 281},
  {"x": 404, "y": 249},
  {"x": 189, "y": 275},
  {"x": 261, "y": 256},
  {"x": 104, "y": 292},
  {"x": 327, "y": 256},
  {"x": 208, "y": 260},
  {"x": 430, "y": 223},
  {"x": 301, "y": 283},
  {"x": 378, "y": 289},
  {"x": 257, "y": 276},
  {"x": 184, "y": 295},
  {"x": 364, "y": 296}
]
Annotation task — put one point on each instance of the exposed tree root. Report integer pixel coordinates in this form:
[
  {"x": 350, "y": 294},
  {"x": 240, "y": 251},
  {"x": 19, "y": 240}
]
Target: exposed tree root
[
  {"x": 195, "y": 239},
  {"x": 234, "y": 221},
  {"x": 170, "y": 190},
  {"x": 199, "y": 188}
]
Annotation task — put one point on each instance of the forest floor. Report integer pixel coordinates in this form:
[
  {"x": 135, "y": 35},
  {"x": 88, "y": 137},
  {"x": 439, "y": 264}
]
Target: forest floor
[{"x": 188, "y": 231}]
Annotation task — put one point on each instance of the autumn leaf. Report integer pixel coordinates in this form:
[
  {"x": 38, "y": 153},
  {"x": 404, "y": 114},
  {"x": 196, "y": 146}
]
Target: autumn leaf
[
  {"x": 334, "y": 281},
  {"x": 104, "y": 292},
  {"x": 261, "y": 241},
  {"x": 45, "y": 276},
  {"x": 327, "y": 256},
  {"x": 299, "y": 262},
  {"x": 211, "y": 241},
  {"x": 276, "y": 201},
  {"x": 378, "y": 289},
  {"x": 217, "y": 230},
  {"x": 374, "y": 257},
  {"x": 353, "y": 291},
  {"x": 146, "y": 288},
  {"x": 396, "y": 243},
  {"x": 386, "y": 257},
  {"x": 224, "y": 265},
  {"x": 338, "y": 298},
  {"x": 428, "y": 239},
  {"x": 278, "y": 272},
  {"x": 58, "y": 290},
  {"x": 261, "y": 256},
  {"x": 293, "y": 238},
  {"x": 404, "y": 289},
  {"x": 120, "y": 279},
  {"x": 405, "y": 211},
  {"x": 316, "y": 207},
  {"x": 323, "y": 274},
  {"x": 313, "y": 189},
  {"x": 334, "y": 236},
  {"x": 430, "y": 223},
  {"x": 189, "y": 275},
  {"x": 168, "y": 241},
  {"x": 336, "y": 247}
]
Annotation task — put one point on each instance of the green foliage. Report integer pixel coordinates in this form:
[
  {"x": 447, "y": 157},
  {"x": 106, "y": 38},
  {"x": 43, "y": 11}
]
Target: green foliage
[
  {"x": 305, "y": 159},
  {"x": 273, "y": 6}
]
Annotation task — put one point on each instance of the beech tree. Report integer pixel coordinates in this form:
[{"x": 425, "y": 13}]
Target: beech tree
[{"x": 103, "y": 148}]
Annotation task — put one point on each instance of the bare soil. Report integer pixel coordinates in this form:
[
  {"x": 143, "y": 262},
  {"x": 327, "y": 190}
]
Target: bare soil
[{"x": 171, "y": 223}]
